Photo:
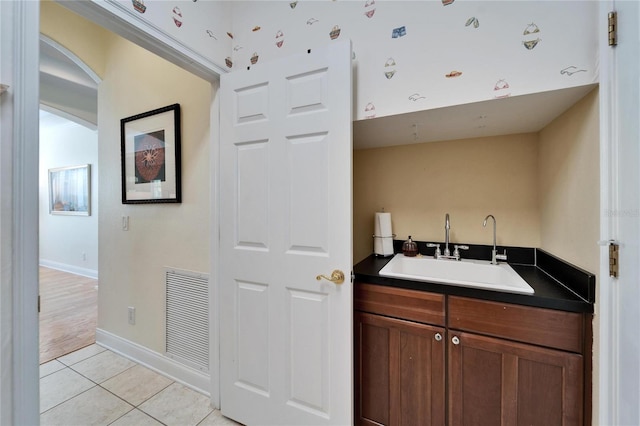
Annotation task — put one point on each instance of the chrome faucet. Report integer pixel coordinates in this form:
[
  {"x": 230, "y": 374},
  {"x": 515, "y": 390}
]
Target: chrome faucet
[
  {"x": 447, "y": 253},
  {"x": 447, "y": 227},
  {"x": 494, "y": 253}
]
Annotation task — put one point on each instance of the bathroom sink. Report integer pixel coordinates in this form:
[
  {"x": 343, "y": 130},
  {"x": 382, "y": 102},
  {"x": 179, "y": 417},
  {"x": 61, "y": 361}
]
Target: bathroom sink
[{"x": 466, "y": 273}]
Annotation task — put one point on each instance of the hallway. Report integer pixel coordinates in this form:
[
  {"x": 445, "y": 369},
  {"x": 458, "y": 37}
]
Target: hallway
[{"x": 68, "y": 312}]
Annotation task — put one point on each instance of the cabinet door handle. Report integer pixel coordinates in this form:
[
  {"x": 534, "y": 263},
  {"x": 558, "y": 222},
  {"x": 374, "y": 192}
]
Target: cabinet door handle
[
  {"x": 438, "y": 337},
  {"x": 455, "y": 340}
]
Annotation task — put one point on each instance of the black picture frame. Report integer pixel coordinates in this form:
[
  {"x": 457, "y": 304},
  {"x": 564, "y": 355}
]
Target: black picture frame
[{"x": 150, "y": 157}]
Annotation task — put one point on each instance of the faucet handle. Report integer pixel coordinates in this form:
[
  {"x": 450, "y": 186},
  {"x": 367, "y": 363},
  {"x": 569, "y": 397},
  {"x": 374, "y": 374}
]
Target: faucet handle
[
  {"x": 502, "y": 256},
  {"x": 457, "y": 248},
  {"x": 437, "y": 246}
]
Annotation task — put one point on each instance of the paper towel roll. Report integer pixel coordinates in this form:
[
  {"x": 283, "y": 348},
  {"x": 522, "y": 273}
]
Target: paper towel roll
[
  {"x": 383, "y": 224},
  {"x": 382, "y": 234}
]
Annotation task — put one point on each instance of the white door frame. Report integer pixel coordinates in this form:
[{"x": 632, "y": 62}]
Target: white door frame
[
  {"x": 604, "y": 383},
  {"x": 19, "y": 398},
  {"x": 610, "y": 346},
  {"x": 117, "y": 18},
  {"x": 20, "y": 37}
]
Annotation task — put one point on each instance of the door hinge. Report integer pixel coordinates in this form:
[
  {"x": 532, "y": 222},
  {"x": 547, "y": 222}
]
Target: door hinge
[
  {"x": 613, "y": 259},
  {"x": 38, "y": 303},
  {"x": 613, "y": 28}
]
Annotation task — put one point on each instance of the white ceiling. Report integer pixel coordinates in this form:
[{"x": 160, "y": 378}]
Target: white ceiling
[{"x": 517, "y": 114}]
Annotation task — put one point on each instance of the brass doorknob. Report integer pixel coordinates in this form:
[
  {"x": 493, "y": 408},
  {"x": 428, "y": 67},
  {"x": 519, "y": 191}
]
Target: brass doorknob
[{"x": 337, "y": 277}]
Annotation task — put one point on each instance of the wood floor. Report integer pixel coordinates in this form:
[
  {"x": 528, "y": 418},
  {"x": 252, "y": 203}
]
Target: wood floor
[{"x": 68, "y": 312}]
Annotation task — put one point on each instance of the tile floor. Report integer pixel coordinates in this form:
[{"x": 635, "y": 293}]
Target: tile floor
[{"x": 94, "y": 386}]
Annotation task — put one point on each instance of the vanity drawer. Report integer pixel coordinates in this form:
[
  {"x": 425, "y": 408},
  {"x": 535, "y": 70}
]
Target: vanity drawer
[
  {"x": 538, "y": 326},
  {"x": 413, "y": 305}
]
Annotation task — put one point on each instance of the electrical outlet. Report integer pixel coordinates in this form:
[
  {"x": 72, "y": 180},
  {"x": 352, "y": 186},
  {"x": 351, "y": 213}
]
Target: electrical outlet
[{"x": 132, "y": 315}]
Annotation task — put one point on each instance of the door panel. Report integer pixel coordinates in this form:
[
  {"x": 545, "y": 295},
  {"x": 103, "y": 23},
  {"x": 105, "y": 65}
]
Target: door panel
[
  {"x": 252, "y": 319},
  {"x": 400, "y": 372},
  {"x": 285, "y": 196},
  {"x": 499, "y": 382},
  {"x": 308, "y": 345},
  {"x": 252, "y": 186},
  {"x": 308, "y": 194}
]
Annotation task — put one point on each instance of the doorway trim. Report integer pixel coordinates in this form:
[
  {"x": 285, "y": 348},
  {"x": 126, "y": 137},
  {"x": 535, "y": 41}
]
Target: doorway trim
[
  {"x": 19, "y": 397},
  {"x": 117, "y": 18}
]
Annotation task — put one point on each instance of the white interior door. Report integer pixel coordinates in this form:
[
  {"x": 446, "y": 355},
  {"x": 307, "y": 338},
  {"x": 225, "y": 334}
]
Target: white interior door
[
  {"x": 619, "y": 384},
  {"x": 286, "y": 217}
]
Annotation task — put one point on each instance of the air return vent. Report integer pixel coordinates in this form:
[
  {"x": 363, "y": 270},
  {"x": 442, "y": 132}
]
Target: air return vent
[{"x": 187, "y": 335}]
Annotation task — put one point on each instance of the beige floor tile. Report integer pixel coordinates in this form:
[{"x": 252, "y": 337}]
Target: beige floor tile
[
  {"x": 61, "y": 386},
  {"x": 136, "y": 418},
  {"x": 136, "y": 384},
  {"x": 217, "y": 419},
  {"x": 81, "y": 354},
  {"x": 93, "y": 407},
  {"x": 103, "y": 366},
  {"x": 178, "y": 405},
  {"x": 50, "y": 367}
]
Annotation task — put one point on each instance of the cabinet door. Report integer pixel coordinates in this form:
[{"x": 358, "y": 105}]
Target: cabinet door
[
  {"x": 498, "y": 382},
  {"x": 399, "y": 372}
]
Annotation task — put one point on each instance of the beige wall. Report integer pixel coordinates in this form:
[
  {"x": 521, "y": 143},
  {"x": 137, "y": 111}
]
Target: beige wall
[
  {"x": 467, "y": 178},
  {"x": 131, "y": 263},
  {"x": 543, "y": 188},
  {"x": 569, "y": 183}
]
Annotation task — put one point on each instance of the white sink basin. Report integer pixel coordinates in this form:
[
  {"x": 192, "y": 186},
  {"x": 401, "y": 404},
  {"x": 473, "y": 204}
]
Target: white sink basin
[{"x": 466, "y": 273}]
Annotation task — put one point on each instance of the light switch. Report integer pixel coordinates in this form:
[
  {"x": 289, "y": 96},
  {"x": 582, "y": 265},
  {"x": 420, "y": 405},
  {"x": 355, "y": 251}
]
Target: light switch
[{"x": 125, "y": 223}]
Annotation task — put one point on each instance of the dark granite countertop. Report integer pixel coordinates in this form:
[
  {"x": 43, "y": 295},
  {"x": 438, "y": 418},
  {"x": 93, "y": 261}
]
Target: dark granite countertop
[{"x": 568, "y": 289}]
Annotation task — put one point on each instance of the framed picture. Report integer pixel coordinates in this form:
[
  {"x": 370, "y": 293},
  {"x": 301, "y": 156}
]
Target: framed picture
[
  {"x": 70, "y": 190},
  {"x": 150, "y": 155}
]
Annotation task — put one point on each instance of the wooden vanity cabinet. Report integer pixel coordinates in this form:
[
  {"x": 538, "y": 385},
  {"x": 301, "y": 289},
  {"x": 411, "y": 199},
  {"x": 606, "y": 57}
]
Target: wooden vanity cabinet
[
  {"x": 401, "y": 372},
  {"x": 400, "y": 364},
  {"x": 498, "y": 382},
  {"x": 514, "y": 365},
  {"x": 474, "y": 363}
]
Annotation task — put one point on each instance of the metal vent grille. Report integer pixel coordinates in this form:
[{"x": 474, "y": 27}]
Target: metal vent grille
[{"x": 187, "y": 335}]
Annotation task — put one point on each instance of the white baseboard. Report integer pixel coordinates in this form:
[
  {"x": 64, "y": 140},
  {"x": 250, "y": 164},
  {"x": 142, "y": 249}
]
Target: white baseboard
[
  {"x": 195, "y": 379},
  {"x": 91, "y": 273}
]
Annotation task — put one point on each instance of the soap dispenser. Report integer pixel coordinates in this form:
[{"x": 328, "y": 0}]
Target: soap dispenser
[{"x": 409, "y": 248}]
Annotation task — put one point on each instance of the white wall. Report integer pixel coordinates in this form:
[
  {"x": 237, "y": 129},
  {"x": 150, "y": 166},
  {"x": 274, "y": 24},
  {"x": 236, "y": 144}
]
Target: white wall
[
  {"x": 437, "y": 42},
  {"x": 68, "y": 243},
  {"x": 484, "y": 40}
]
